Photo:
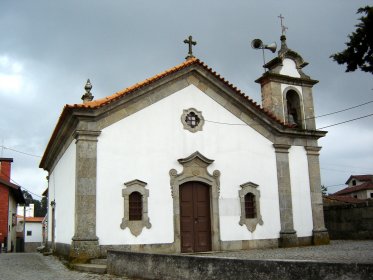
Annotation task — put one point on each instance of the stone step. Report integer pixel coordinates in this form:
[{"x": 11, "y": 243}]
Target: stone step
[
  {"x": 98, "y": 261},
  {"x": 90, "y": 267}
]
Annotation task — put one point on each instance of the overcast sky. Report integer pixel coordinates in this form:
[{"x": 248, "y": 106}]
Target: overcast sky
[{"x": 48, "y": 49}]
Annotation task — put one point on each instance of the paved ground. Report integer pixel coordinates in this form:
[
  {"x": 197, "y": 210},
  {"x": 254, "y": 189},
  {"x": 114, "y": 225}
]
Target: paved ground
[
  {"x": 35, "y": 266},
  {"x": 23, "y": 266},
  {"x": 338, "y": 251}
]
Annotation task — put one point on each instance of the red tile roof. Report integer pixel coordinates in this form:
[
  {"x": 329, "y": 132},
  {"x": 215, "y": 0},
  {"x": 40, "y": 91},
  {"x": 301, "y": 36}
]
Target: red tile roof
[
  {"x": 34, "y": 219},
  {"x": 362, "y": 178},
  {"x": 361, "y": 187},
  {"x": 342, "y": 198},
  {"x": 94, "y": 104}
]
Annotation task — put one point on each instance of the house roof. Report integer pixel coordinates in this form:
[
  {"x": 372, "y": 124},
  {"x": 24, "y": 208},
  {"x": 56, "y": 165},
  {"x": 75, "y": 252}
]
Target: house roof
[
  {"x": 362, "y": 178},
  {"x": 15, "y": 190},
  {"x": 34, "y": 219},
  {"x": 361, "y": 187},
  {"x": 91, "y": 106},
  {"x": 343, "y": 199}
]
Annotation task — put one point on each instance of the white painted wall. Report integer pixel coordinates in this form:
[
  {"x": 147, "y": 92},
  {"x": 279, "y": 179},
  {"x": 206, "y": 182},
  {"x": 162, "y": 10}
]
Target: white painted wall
[
  {"x": 147, "y": 144},
  {"x": 12, "y": 235},
  {"x": 289, "y": 68},
  {"x": 62, "y": 190},
  {"x": 36, "y": 232},
  {"x": 300, "y": 191}
]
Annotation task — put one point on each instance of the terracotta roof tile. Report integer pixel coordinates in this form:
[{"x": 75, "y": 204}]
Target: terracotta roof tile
[
  {"x": 363, "y": 178},
  {"x": 342, "y": 198},
  {"x": 94, "y": 104},
  {"x": 363, "y": 186}
]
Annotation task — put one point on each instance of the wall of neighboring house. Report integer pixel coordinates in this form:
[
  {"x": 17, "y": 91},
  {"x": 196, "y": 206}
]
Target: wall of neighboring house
[
  {"x": 12, "y": 223},
  {"x": 34, "y": 236},
  {"x": 361, "y": 194},
  {"x": 4, "y": 203}
]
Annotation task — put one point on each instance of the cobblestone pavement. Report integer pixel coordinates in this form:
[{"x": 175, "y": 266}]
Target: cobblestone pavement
[
  {"x": 344, "y": 251},
  {"x": 35, "y": 266}
]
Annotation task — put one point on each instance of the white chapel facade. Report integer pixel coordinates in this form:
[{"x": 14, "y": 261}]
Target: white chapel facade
[{"x": 185, "y": 162}]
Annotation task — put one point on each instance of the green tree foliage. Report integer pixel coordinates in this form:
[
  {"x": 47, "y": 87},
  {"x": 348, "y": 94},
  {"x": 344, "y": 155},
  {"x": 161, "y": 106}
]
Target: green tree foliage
[
  {"x": 324, "y": 190},
  {"x": 359, "y": 51},
  {"x": 40, "y": 207}
]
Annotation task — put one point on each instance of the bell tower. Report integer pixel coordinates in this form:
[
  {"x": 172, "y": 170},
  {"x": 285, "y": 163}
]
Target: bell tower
[{"x": 287, "y": 91}]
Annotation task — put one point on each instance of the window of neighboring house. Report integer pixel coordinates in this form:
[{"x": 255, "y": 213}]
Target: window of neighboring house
[
  {"x": 29, "y": 232},
  {"x": 355, "y": 195},
  {"x": 354, "y": 182},
  {"x": 371, "y": 195},
  {"x": 250, "y": 211},
  {"x": 135, "y": 206}
]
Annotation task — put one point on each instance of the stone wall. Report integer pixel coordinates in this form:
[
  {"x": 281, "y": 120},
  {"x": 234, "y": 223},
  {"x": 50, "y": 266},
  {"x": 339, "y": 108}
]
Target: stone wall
[
  {"x": 349, "y": 221},
  {"x": 165, "y": 267}
]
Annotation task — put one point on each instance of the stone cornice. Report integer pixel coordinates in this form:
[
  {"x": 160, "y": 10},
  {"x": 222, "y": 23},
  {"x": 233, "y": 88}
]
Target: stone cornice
[{"x": 274, "y": 77}]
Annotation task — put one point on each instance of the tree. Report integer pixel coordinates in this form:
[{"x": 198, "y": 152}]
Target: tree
[
  {"x": 324, "y": 190},
  {"x": 359, "y": 51},
  {"x": 40, "y": 207}
]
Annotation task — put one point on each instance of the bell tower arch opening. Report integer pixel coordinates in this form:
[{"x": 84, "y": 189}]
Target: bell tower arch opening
[{"x": 293, "y": 110}]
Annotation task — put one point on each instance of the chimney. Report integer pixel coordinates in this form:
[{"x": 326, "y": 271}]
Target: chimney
[{"x": 5, "y": 167}]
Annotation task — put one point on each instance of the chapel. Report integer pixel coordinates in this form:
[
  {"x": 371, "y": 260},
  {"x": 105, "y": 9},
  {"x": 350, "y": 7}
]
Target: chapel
[{"x": 186, "y": 162}]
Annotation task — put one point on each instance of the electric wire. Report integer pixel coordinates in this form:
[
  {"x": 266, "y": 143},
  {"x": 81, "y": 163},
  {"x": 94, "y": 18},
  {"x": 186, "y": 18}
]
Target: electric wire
[
  {"x": 366, "y": 116},
  {"x": 17, "y": 151},
  {"x": 340, "y": 111},
  {"x": 14, "y": 182}
]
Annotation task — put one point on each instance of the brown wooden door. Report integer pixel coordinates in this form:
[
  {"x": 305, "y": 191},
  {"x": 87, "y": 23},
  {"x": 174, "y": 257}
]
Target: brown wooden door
[{"x": 195, "y": 225}]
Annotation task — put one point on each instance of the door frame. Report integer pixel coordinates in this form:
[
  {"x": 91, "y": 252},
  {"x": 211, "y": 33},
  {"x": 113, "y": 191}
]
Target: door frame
[{"x": 195, "y": 169}]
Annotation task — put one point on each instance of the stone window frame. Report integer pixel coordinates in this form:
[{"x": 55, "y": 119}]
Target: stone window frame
[
  {"x": 199, "y": 126},
  {"x": 135, "y": 226},
  {"x": 250, "y": 223}
]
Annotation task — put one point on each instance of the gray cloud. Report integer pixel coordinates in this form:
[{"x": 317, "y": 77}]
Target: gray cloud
[{"x": 118, "y": 43}]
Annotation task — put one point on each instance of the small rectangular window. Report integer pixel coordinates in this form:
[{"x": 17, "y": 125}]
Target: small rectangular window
[
  {"x": 29, "y": 233},
  {"x": 371, "y": 195}
]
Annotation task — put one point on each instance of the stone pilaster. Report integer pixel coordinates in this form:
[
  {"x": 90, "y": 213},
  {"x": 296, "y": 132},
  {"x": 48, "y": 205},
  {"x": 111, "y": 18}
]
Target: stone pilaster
[
  {"x": 288, "y": 236},
  {"x": 85, "y": 242},
  {"x": 320, "y": 233}
]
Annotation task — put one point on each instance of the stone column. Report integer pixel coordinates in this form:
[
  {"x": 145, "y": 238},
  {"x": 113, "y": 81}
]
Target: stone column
[
  {"x": 85, "y": 242},
  {"x": 320, "y": 233},
  {"x": 288, "y": 236}
]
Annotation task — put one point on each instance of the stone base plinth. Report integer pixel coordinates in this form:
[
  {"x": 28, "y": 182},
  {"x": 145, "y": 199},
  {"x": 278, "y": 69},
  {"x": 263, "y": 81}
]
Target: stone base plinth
[
  {"x": 83, "y": 250},
  {"x": 320, "y": 237},
  {"x": 288, "y": 239}
]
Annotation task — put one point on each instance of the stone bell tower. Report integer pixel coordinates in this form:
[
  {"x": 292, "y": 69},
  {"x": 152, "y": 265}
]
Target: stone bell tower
[{"x": 286, "y": 90}]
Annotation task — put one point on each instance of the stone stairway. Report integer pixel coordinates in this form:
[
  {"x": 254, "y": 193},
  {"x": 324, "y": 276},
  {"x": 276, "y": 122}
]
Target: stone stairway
[{"x": 98, "y": 266}]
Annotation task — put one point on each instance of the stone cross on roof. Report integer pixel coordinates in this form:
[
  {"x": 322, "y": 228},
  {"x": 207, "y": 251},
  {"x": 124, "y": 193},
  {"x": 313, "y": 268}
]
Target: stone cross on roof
[{"x": 191, "y": 43}]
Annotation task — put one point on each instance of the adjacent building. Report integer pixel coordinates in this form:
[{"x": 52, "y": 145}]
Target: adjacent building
[
  {"x": 10, "y": 196},
  {"x": 358, "y": 186}
]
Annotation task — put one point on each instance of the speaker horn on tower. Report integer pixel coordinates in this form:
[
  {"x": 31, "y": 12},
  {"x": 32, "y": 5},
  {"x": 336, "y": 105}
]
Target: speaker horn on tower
[{"x": 258, "y": 44}]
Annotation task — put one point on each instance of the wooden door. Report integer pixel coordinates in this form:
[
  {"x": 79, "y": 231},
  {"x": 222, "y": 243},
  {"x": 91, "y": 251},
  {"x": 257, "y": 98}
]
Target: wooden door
[{"x": 195, "y": 225}]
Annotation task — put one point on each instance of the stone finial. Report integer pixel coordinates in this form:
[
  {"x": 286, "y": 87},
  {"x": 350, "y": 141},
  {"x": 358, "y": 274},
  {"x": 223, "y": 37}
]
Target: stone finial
[
  {"x": 284, "y": 47},
  {"x": 87, "y": 96}
]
